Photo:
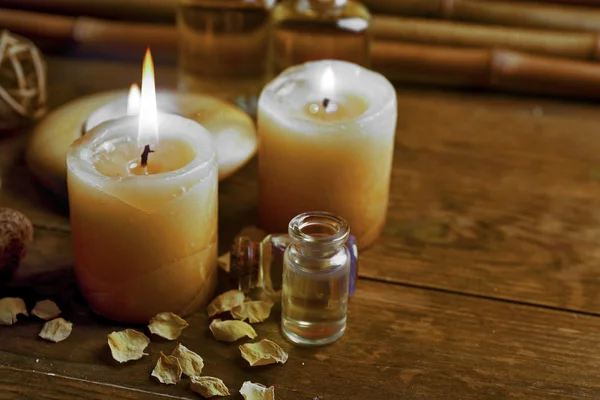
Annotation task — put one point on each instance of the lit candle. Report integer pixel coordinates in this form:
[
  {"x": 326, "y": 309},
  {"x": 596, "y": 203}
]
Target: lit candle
[
  {"x": 143, "y": 208},
  {"x": 326, "y": 138}
]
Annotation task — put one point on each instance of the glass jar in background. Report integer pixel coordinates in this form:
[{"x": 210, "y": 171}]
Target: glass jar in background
[
  {"x": 223, "y": 48},
  {"x": 316, "y": 276},
  {"x": 308, "y": 30}
]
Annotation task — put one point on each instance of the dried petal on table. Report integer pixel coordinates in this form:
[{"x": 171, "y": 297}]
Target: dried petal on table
[
  {"x": 253, "y": 311},
  {"x": 264, "y": 352},
  {"x": 10, "y": 307},
  {"x": 167, "y": 325},
  {"x": 224, "y": 262},
  {"x": 56, "y": 330},
  {"x": 208, "y": 386},
  {"x": 225, "y": 302},
  {"x": 46, "y": 310},
  {"x": 230, "y": 331},
  {"x": 256, "y": 391},
  {"x": 127, "y": 345},
  {"x": 167, "y": 370},
  {"x": 190, "y": 362}
]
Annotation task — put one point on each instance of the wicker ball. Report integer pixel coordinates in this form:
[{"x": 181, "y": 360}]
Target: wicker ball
[{"x": 22, "y": 82}]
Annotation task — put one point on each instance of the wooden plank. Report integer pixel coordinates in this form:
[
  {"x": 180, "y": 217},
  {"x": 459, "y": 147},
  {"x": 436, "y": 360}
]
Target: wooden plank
[
  {"x": 495, "y": 200},
  {"x": 19, "y": 384},
  {"x": 401, "y": 343}
]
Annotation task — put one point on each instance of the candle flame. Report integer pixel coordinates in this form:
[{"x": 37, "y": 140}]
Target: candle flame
[
  {"x": 148, "y": 122},
  {"x": 133, "y": 100},
  {"x": 328, "y": 81}
]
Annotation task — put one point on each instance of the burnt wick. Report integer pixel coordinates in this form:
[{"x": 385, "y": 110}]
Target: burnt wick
[
  {"x": 326, "y": 102},
  {"x": 145, "y": 154}
]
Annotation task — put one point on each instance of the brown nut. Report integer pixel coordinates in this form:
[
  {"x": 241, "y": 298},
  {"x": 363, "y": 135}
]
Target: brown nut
[{"x": 16, "y": 232}]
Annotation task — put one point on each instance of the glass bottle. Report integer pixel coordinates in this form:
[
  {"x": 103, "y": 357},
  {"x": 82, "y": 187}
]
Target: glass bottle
[
  {"x": 223, "y": 48},
  {"x": 316, "y": 276},
  {"x": 259, "y": 265},
  {"x": 308, "y": 30}
]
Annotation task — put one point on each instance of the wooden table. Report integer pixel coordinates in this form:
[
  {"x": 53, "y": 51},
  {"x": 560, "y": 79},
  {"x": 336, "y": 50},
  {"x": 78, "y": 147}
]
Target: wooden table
[{"x": 485, "y": 284}]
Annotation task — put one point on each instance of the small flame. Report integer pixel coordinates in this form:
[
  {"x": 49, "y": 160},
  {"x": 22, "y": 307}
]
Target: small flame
[
  {"x": 328, "y": 81},
  {"x": 133, "y": 100},
  {"x": 148, "y": 125}
]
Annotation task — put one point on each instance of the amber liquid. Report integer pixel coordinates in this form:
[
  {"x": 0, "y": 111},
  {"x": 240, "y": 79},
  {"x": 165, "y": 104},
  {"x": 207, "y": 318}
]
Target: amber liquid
[
  {"x": 223, "y": 49},
  {"x": 301, "y": 35}
]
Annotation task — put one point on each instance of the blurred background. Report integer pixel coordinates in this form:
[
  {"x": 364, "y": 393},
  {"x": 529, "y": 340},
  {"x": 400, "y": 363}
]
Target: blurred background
[{"x": 232, "y": 47}]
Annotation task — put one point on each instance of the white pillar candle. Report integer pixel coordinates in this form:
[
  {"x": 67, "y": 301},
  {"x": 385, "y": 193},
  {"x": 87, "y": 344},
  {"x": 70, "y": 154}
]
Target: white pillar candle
[
  {"x": 326, "y": 139},
  {"x": 144, "y": 224},
  {"x": 144, "y": 243}
]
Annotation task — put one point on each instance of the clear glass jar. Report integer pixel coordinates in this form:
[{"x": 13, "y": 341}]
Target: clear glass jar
[
  {"x": 308, "y": 30},
  {"x": 223, "y": 48},
  {"x": 259, "y": 264},
  {"x": 316, "y": 277}
]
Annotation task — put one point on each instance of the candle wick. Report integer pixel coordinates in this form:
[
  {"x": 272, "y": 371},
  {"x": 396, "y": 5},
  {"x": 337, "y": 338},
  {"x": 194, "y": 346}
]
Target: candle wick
[
  {"x": 145, "y": 154},
  {"x": 329, "y": 106}
]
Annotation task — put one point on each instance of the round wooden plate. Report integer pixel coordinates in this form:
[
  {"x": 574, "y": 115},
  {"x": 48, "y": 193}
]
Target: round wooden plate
[{"x": 233, "y": 131}]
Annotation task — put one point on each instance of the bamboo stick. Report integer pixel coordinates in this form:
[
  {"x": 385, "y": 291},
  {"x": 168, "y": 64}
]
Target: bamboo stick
[
  {"x": 88, "y": 31},
  {"x": 135, "y": 10},
  {"x": 498, "y": 12},
  {"x": 587, "y": 3},
  {"x": 487, "y": 68},
  {"x": 577, "y": 45}
]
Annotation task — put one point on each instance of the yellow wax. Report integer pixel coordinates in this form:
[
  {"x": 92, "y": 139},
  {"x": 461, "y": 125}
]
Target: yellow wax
[
  {"x": 120, "y": 158},
  {"x": 338, "y": 162},
  {"x": 144, "y": 244}
]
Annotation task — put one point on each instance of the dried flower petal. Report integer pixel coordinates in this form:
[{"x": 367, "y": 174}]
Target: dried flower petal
[
  {"x": 208, "y": 386},
  {"x": 167, "y": 370},
  {"x": 225, "y": 302},
  {"x": 253, "y": 311},
  {"x": 46, "y": 310},
  {"x": 230, "y": 331},
  {"x": 127, "y": 345},
  {"x": 256, "y": 391},
  {"x": 167, "y": 325},
  {"x": 56, "y": 330},
  {"x": 224, "y": 262},
  {"x": 264, "y": 352},
  {"x": 190, "y": 362},
  {"x": 10, "y": 307}
]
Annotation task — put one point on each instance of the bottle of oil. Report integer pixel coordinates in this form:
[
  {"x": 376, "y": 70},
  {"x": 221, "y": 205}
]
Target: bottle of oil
[
  {"x": 316, "y": 275},
  {"x": 223, "y": 48},
  {"x": 307, "y": 30}
]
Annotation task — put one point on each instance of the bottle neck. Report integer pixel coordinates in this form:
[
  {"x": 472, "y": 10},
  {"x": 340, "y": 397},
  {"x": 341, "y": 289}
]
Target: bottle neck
[{"x": 318, "y": 234}]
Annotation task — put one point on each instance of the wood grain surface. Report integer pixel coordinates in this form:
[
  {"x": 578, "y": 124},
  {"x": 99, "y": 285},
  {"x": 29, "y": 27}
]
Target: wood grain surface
[{"x": 485, "y": 284}]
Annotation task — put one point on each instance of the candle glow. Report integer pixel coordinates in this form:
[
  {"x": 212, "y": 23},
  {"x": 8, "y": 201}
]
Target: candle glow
[
  {"x": 148, "y": 125},
  {"x": 133, "y": 100},
  {"x": 328, "y": 81}
]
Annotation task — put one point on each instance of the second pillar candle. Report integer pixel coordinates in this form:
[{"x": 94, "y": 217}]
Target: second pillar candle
[{"x": 326, "y": 139}]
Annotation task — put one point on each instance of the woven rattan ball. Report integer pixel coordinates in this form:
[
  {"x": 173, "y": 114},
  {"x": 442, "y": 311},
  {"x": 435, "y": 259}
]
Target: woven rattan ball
[{"x": 22, "y": 82}]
